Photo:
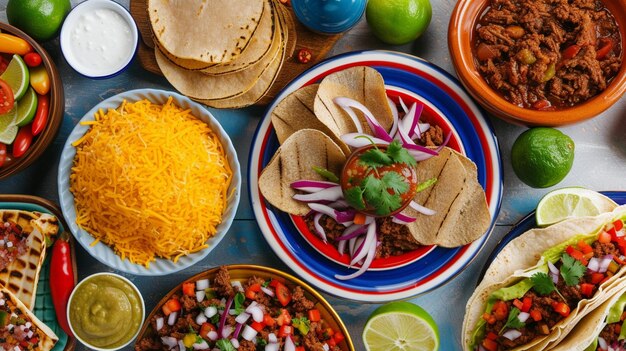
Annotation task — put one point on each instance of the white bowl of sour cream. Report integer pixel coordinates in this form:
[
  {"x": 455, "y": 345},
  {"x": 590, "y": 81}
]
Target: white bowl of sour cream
[{"x": 99, "y": 38}]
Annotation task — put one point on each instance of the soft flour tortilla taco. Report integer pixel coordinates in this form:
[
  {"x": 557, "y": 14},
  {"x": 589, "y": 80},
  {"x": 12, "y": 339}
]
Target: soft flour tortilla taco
[
  {"x": 602, "y": 329},
  {"x": 544, "y": 281}
]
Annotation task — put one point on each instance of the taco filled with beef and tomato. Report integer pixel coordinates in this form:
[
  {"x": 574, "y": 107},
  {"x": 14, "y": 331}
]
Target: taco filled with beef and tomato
[{"x": 544, "y": 281}]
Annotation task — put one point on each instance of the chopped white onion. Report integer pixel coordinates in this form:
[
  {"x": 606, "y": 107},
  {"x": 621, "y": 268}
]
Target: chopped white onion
[
  {"x": 212, "y": 335},
  {"x": 594, "y": 264},
  {"x": 235, "y": 343},
  {"x": 289, "y": 344},
  {"x": 210, "y": 311},
  {"x": 271, "y": 338},
  {"x": 512, "y": 334},
  {"x": 271, "y": 347},
  {"x": 256, "y": 312},
  {"x": 553, "y": 268},
  {"x": 227, "y": 331},
  {"x": 159, "y": 323},
  {"x": 200, "y": 295},
  {"x": 237, "y": 285},
  {"x": 248, "y": 333},
  {"x": 181, "y": 345},
  {"x": 201, "y": 319},
  {"x": 605, "y": 262},
  {"x": 169, "y": 341},
  {"x": 602, "y": 343},
  {"x": 202, "y": 284},
  {"x": 171, "y": 319},
  {"x": 523, "y": 316},
  {"x": 242, "y": 317},
  {"x": 326, "y": 347},
  {"x": 201, "y": 346}
]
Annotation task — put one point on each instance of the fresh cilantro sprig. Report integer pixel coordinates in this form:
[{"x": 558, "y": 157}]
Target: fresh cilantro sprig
[
  {"x": 377, "y": 193},
  {"x": 239, "y": 301},
  {"x": 394, "y": 153},
  {"x": 512, "y": 321},
  {"x": 571, "y": 270},
  {"x": 543, "y": 284}
]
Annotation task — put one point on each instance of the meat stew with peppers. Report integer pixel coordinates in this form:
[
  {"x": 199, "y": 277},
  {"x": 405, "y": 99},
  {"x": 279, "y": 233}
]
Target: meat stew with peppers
[{"x": 547, "y": 54}]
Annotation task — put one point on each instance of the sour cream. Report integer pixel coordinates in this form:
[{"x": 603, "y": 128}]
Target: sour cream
[{"x": 98, "y": 38}]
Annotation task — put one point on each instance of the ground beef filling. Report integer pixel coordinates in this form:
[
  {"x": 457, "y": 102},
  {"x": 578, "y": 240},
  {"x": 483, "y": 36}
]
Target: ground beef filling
[
  {"x": 610, "y": 334},
  {"x": 546, "y": 54}
]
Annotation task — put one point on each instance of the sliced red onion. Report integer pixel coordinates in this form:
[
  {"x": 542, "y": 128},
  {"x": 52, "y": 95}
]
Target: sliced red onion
[
  {"x": 446, "y": 140},
  {"x": 394, "y": 114},
  {"x": 242, "y": 317},
  {"x": 371, "y": 253},
  {"x": 353, "y": 140},
  {"x": 420, "y": 128},
  {"x": 159, "y": 323},
  {"x": 341, "y": 247},
  {"x": 256, "y": 312},
  {"x": 512, "y": 334},
  {"x": 602, "y": 343},
  {"x": 344, "y": 103},
  {"x": 523, "y": 316},
  {"x": 201, "y": 319},
  {"x": 604, "y": 263},
  {"x": 238, "y": 328},
  {"x": 200, "y": 295},
  {"x": 370, "y": 239},
  {"x": 329, "y": 194},
  {"x": 271, "y": 338},
  {"x": 210, "y": 311},
  {"x": 289, "y": 344},
  {"x": 311, "y": 186},
  {"x": 345, "y": 216},
  {"x": 267, "y": 291},
  {"x": 212, "y": 335},
  {"x": 329, "y": 211},
  {"x": 420, "y": 156},
  {"x": 594, "y": 264},
  {"x": 402, "y": 219},
  {"x": 409, "y": 122},
  {"x": 169, "y": 341},
  {"x": 339, "y": 204},
  {"x": 352, "y": 232},
  {"x": 403, "y": 105},
  {"x": 347, "y": 104},
  {"x": 421, "y": 209},
  {"x": 354, "y": 243},
  {"x": 271, "y": 347},
  {"x": 202, "y": 284},
  {"x": 248, "y": 333},
  {"x": 171, "y": 319},
  {"x": 201, "y": 346},
  {"x": 220, "y": 328},
  {"x": 552, "y": 268},
  {"x": 318, "y": 227}
]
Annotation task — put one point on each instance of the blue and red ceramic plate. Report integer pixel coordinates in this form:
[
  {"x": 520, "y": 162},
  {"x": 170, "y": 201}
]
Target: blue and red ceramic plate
[{"x": 447, "y": 105}]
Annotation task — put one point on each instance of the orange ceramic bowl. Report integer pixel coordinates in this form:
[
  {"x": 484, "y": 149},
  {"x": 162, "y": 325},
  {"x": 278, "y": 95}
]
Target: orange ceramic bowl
[
  {"x": 56, "y": 107},
  {"x": 463, "y": 21}
]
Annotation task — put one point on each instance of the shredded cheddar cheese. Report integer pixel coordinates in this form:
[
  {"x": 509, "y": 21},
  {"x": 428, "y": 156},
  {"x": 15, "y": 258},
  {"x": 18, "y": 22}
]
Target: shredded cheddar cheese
[{"x": 150, "y": 181}]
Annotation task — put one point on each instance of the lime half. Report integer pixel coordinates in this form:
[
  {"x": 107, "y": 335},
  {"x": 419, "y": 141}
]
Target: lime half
[
  {"x": 571, "y": 202},
  {"x": 16, "y": 75},
  {"x": 400, "y": 326},
  {"x": 26, "y": 108}
]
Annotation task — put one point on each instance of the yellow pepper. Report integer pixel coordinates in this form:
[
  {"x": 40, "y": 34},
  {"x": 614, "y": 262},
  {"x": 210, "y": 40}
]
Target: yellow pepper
[
  {"x": 190, "y": 339},
  {"x": 10, "y": 44},
  {"x": 40, "y": 80}
]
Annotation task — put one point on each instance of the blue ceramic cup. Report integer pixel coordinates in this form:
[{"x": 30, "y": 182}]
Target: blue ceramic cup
[{"x": 329, "y": 16}]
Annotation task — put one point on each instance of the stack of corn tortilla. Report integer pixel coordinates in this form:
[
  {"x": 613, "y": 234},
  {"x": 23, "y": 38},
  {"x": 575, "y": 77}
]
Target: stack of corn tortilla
[{"x": 222, "y": 53}]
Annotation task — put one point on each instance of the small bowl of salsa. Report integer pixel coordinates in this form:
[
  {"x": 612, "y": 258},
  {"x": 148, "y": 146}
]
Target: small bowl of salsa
[
  {"x": 99, "y": 38},
  {"x": 539, "y": 62},
  {"x": 105, "y": 311}
]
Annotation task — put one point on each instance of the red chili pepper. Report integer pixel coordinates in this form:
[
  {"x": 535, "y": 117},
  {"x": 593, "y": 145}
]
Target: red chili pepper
[
  {"x": 41, "y": 116},
  {"x": 61, "y": 279},
  {"x": 32, "y": 59},
  {"x": 22, "y": 141},
  {"x": 304, "y": 56}
]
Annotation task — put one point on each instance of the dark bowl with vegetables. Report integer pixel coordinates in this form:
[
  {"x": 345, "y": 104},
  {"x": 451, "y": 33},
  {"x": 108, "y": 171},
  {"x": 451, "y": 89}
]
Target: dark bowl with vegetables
[
  {"x": 37, "y": 122},
  {"x": 538, "y": 63}
]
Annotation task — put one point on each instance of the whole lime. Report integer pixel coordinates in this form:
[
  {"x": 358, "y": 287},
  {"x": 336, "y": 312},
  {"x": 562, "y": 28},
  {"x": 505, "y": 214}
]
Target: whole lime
[
  {"x": 41, "y": 19},
  {"x": 398, "y": 21},
  {"x": 542, "y": 157}
]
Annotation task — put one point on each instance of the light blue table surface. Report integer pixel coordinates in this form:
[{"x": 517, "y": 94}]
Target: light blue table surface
[{"x": 600, "y": 164}]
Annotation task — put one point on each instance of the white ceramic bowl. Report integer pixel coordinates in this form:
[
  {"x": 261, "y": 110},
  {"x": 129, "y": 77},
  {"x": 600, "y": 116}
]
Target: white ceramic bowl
[
  {"x": 104, "y": 253},
  {"x": 143, "y": 311},
  {"x": 101, "y": 44}
]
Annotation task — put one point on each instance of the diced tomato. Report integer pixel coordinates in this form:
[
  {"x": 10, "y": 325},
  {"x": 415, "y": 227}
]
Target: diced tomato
[
  {"x": 328, "y": 333},
  {"x": 300, "y": 348},
  {"x": 268, "y": 320},
  {"x": 257, "y": 326},
  {"x": 283, "y": 294},
  {"x": 541, "y": 104},
  {"x": 359, "y": 218},
  {"x": 561, "y": 308},
  {"x": 584, "y": 247},
  {"x": 490, "y": 345},
  {"x": 607, "y": 46},
  {"x": 172, "y": 305},
  {"x": 205, "y": 329},
  {"x": 517, "y": 303},
  {"x": 331, "y": 342},
  {"x": 489, "y": 318},
  {"x": 492, "y": 336},
  {"x": 535, "y": 315},
  {"x": 500, "y": 310},
  {"x": 338, "y": 337},
  {"x": 34, "y": 340},
  {"x": 604, "y": 238},
  {"x": 314, "y": 315},
  {"x": 618, "y": 225},
  {"x": 596, "y": 278},
  {"x": 526, "y": 304},
  {"x": 285, "y": 330},
  {"x": 189, "y": 288},
  {"x": 570, "y": 52},
  {"x": 252, "y": 290},
  {"x": 284, "y": 318},
  {"x": 586, "y": 289},
  {"x": 276, "y": 281},
  {"x": 577, "y": 255}
]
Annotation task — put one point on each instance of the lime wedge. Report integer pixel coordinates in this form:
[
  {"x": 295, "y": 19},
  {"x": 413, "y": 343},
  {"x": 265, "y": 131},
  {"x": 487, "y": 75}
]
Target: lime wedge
[
  {"x": 8, "y": 119},
  {"x": 16, "y": 75},
  {"x": 400, "y": 326},
  {"x": 9, "y": 134},
  {"x": 26, "y": 108},
  {"x": 565, "y": 203}
]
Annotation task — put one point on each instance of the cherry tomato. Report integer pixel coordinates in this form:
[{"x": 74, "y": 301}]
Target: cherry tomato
[
  {"x": 22, "y": 141},
  {"x": 6, "y": 97},
  {"x": 304, "y": 56},
  {"x": 11, "y": 44},
  {"x": 3, "y": 153},
  {"x": 39, "y": 80},
  {"x": 32, "y": 59},
  {"x": 41, "y": 116}
]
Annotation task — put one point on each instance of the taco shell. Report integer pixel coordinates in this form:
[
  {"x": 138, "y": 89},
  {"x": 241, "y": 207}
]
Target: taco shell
[
  {"x": 293, "y": 161},
  {"x": 22, "y": 275}
]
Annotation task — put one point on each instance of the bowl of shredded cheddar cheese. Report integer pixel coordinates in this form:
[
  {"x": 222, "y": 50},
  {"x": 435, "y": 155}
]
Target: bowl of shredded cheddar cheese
[{"x": 149, "y": 182}]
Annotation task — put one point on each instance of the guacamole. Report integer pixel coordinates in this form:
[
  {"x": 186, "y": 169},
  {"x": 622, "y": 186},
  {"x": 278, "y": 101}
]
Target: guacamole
[{"x": 105, "y": 311}]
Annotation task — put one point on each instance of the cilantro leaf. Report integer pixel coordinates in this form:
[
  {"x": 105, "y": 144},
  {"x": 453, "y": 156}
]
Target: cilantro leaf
[
  {"x": 354, "y": 197},
  {"x": 225, "y": 345},
  {"x": 375, "y": 158},
  {"x": 239, "y": 300},
  {"x": 395, "y": 182},
  {"x": 542, "y": 283},
  {"x": 426, "y": 184},
  {"x": 571, "y": 270},
  {"x": 512, "y": 321},
  {"x": 376, "y": 194},
  {"x": 326, "y": 174},
  {"x": 302, "y": 324},
  {"x": 399, "y": 154}
]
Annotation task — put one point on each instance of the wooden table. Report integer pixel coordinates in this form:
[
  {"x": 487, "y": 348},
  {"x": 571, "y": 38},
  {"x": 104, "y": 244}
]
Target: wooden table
[{"x": 600, "y": 164}]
